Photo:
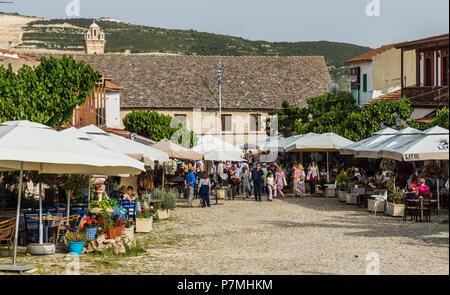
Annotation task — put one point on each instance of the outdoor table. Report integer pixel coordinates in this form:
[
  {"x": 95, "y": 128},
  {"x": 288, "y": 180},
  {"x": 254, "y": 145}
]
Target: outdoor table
[
  {"x": 421, "y": 204},
  {"x": 47, "y": 220}
]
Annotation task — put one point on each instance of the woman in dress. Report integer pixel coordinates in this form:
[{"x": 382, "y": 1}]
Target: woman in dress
[
  {"x": 204, "y": 190},
  {"x": 301, "y": 182},
  {"x": 245, "y": 180},
  {"x": 279, "y": 180},
  {"x": 296, "y": 180},
  {"x": 313, "y": 176}
]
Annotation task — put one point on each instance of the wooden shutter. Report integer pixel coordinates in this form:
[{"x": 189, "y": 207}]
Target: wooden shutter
[
  {"x": 255, "y": 122},
  {"x": 226, "y": 122},
  {"x": 365, "y": 82}
]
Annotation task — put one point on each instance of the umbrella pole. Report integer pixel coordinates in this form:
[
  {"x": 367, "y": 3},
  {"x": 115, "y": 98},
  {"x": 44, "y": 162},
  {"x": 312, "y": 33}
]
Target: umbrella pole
[
  {"x": 89, "y": 190},
  {"x": 328, "y": 169},
  {"x": 16, "y": 233},
  {"x": 437, "y": 189},
  {"x": 68, "y": 204},
  {"x": 163, "y": 175},
  {"x": 40, "y": 214}
]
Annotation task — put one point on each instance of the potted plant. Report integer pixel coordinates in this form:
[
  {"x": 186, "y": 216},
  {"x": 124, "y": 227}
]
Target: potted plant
[
  {"x": 76, "y": 241},
  {"x": 129, "y": 229},
  {"x": 144, "y": 220},
  {"x": 220, "y": 192},
  {"x": 350, "y": 198},
  {"x": 110, "y": 230},
  {"x": 91, "y": 227},
  {"x": 341, "y": 180},
  {"x": 395, "y": 206}
]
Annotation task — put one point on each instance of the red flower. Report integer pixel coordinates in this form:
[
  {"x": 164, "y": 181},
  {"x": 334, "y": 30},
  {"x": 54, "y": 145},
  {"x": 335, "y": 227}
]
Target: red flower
[
  {"x": 89, "y": 222},
  {"x": 132, "y": 221},
  {"x": 121, "y": 223}
]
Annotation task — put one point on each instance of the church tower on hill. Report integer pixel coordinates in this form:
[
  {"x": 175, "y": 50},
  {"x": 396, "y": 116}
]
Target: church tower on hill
[{"x": 94, "y": 40}]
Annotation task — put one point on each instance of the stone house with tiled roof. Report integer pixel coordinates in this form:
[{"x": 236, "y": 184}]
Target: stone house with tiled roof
[{"x": 186, "y": 87}]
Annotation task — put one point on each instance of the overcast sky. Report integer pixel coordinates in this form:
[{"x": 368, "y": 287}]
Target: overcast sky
[{"x": 271, "y": 20}]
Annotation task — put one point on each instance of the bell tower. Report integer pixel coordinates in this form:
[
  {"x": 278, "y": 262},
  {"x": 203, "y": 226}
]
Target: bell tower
[{"x": 94, "y": 40}]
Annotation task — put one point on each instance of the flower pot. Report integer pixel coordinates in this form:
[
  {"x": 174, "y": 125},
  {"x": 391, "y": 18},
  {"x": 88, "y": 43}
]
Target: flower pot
[
  {"x": 111, "y": 233},
  {"x": 351, "y": 199},
  {"x": 378, "y": 208},
  {"x": 396, "y": 210},
  {"x": 75, "y": 248},
  {"x": 91, "y": 233},
  {"x": 341, "y": 196},
  {"x": 144, "y": 225},
  {"x": 129, "y": 232},
  {"x": 122, "y": 230},
  {"x": 163, "y": 214},
  {"x": 330, "y": 192},
  {"x": 221, "y": 194}
]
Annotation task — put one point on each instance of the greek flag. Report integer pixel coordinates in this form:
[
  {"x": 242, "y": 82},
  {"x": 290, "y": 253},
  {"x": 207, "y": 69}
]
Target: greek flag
[{"x": 220, "y": 74}]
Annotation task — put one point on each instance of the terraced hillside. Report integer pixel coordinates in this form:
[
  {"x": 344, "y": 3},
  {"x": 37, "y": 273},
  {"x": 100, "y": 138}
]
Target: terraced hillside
[{"x": 67, "y": 34}]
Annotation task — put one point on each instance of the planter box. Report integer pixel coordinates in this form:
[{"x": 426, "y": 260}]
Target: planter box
[
  {"x": 351, "y": 199},
  {"x": 163, "y": 214},
  {"x": 220, "y": 194},
  {"x": 341, "y": 196},
  {"x": 129, "y": 232},
  {"x": 396, "y": 210},
  {"x": 144, "y": 225},
  {"x": 330, "y": 192},
  {"x": 378, "y": 208}
]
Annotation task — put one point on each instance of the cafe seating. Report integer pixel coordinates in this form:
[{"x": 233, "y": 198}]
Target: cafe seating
[
  {"x": 7, "y": 230},
  {"x": 131, "y": 208},
  {"x": 64, "y": 225},
  {"x": 31, "y": 226}
]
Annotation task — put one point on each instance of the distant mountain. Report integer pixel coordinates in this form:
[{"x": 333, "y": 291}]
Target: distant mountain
[{"x": 68, "y": 34}]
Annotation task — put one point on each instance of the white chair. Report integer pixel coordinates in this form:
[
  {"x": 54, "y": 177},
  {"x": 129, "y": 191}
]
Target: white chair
[{"x": 378, "y": 199}]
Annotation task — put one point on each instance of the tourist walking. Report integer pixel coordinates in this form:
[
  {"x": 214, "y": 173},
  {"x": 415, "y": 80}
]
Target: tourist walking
[
  {"x": 280, "y": 181},
  {"x": 258, "y": 181},
  {"x": 205, "y": 190},
  {"x": 245, "y": 180},
  {"x": 313, "y": 176},
  {"x": 234, "y": 182},
  {"x": 189, "y": 183},
  {"x": 302, "y": 177},
  {"x": 270, "y": 185}
]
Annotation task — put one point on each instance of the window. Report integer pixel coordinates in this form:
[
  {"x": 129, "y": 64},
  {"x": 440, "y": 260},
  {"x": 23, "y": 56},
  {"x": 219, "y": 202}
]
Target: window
[
  {"x": 365, "y": 82},
  {"x": 181, "y": 117},
  {"x": 255, "y": 122},
  {"x": 226, "y": 122}
]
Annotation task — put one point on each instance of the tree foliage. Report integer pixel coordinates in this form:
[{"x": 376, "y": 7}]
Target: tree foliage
[
  {"x": 46, "y": 94},
  {"x": 158, "y": 126},
  {"x": 339, "y": 113}
]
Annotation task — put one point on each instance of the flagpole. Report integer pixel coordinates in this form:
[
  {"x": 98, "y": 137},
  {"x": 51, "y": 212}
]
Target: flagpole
[{"x": 220, "y": 99}]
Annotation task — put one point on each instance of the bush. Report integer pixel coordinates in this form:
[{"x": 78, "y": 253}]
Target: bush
[{"x": 169, "y": 198}]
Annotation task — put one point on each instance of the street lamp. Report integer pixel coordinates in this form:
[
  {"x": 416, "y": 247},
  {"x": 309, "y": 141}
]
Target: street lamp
[{"x": 398, "y": 122}]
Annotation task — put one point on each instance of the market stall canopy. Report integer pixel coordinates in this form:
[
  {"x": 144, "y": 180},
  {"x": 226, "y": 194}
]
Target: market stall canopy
[
  {"x": 282, "y": 143},
  {"x": 223, "y": 156},
  {"x": 208, "y": 143},
  {"x": 46, "y": 150},
  {"x": 122, "y": 145},
  {"x": 176, "y": 151},
  {"x": 260, "y": 143},
  {"x": 377, "y": 137},
  {"x": 371, "y": 151},
  {"x": 318, "y": 142},
  {"x": 432, "y": 145}
]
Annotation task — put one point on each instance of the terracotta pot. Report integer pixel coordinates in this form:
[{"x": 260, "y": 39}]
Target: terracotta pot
[{"x": 111, "y": 233}]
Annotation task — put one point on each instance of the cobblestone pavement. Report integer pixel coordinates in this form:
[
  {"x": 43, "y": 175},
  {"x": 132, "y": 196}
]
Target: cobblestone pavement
[{"x": 291, "y": 236}]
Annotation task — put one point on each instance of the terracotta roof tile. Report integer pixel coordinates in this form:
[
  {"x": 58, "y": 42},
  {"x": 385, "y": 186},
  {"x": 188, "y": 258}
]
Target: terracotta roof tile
[
  {"x": 368, "y": 55},
  {"x": 21, "y": 56},
  {"x": 113, "y": 86}
]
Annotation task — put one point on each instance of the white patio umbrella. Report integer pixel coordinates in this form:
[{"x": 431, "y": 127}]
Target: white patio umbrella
[
  {"x": 223, "y": 156},
  {"x": 208, "y": 143},
  {"x": 377, "y": 137},
  {"x": 326, "y": 142},
  {"x": 123, "y": 145},
  {"x": 432, "y": 145},
  {"x": 260, "y": 143},
  {"x": 28, "y": 146},
  {"x": 371, "y": 151},
  {"x": 282, "y": 143}
]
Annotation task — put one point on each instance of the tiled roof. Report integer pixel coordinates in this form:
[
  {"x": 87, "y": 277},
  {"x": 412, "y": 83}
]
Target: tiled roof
[
  {"x": 368, "y": 55},
  {"x": 191, "y": 81},
  {"x": 394, "y": 95},
  {"x": 423, "y": 40},
  {"x": 112, "y": 86},
  {"x": 7, "y": 53}
]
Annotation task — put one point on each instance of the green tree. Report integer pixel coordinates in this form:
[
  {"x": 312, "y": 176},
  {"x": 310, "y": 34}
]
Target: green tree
[
  {"x": 46, "y": 94},
  {"x": 158, "y": 126},
  {"x": 339, "y": 113}
]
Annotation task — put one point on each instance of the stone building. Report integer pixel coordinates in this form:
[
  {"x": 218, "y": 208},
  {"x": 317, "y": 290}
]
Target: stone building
[
  {"x": 94, "y": 40},
  {"x": 186, "y": 87}
]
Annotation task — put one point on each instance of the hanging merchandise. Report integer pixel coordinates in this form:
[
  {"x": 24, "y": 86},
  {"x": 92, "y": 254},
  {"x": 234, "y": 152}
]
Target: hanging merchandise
[
  {"x": 145, "y": 181},
  {"x": 170, "y": 168}
]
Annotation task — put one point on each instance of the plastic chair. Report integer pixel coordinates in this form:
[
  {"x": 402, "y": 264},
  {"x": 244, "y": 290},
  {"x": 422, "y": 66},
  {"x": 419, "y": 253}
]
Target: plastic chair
[
  {"x": 31, "y": 226},
  {"x": 378, "y": 199},
  {"x": 7, "y": 229}
]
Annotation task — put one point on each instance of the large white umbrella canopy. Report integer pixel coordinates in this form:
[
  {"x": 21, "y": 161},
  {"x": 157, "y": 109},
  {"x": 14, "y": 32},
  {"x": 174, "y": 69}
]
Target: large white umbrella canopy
[
  {"x": 123, "y": 145},
  {"x": 318, "y": 142},
  {"x": 432, "y": 145},
  {"x": 282, "y": 143},
  {"x": 377, "y": 137},
  {"x": 223, "y": 156},
  {"x": 30, "y": 146},
  {"x": 371, "y": 151},
  {"x": 177, "y": 151},
  {"x": 209, "y": 143},
  {"x": 260, "y": 143}
]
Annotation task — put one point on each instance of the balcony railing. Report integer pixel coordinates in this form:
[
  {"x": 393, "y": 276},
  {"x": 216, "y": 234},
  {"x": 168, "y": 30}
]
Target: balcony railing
[{"x": 427, "y": 96}]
